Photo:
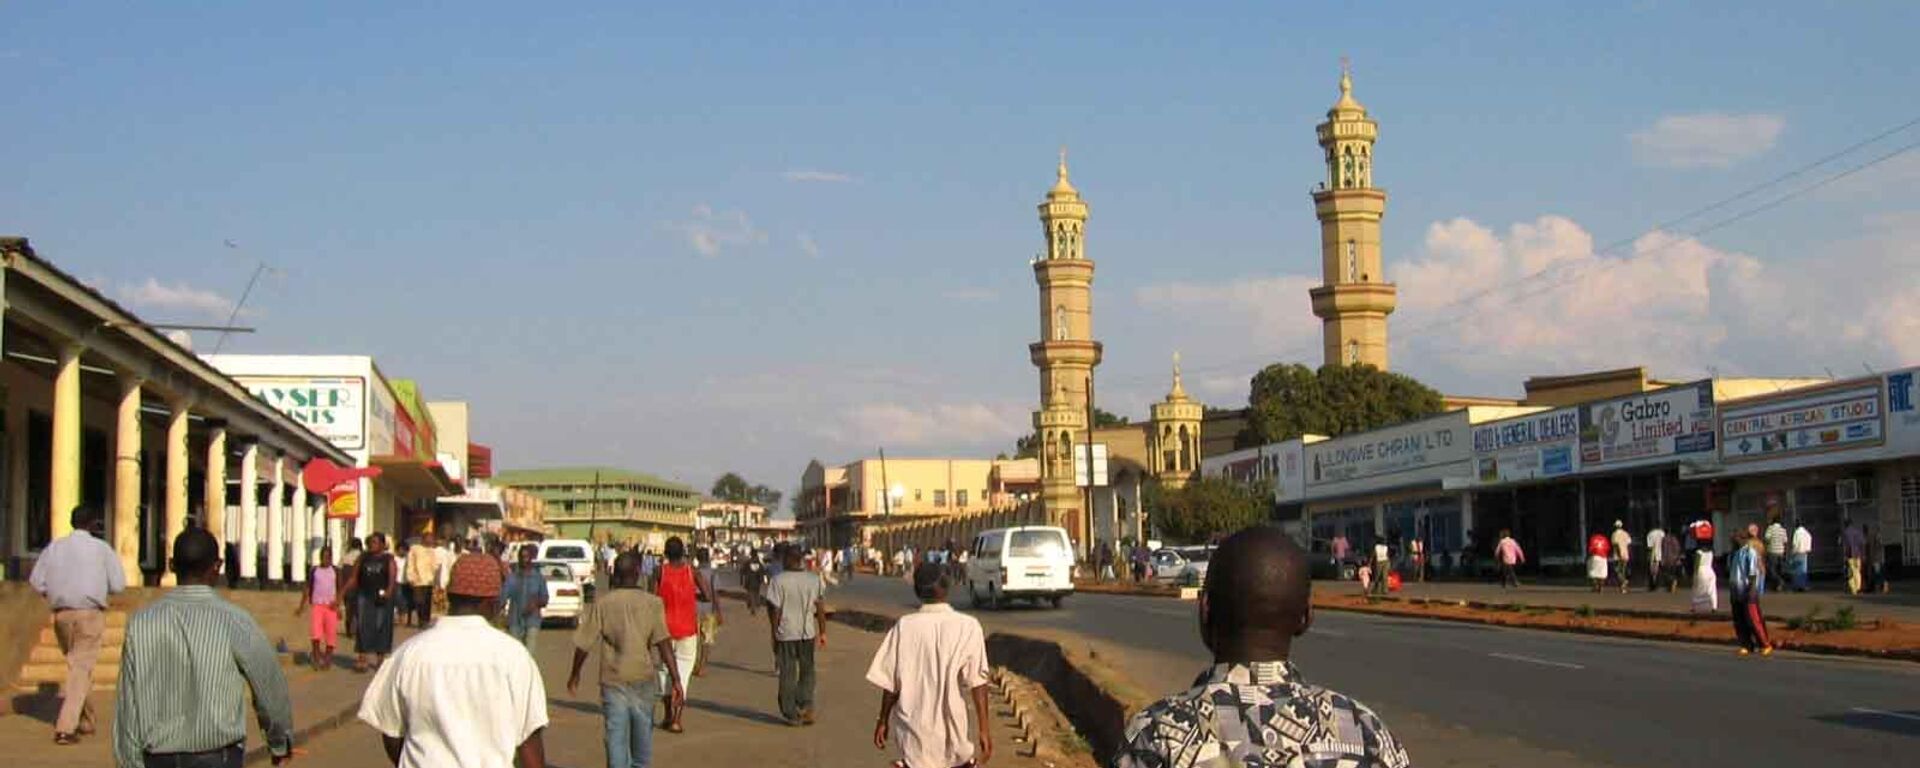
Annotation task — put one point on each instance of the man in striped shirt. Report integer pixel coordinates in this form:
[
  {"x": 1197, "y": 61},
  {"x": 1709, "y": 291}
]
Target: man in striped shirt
[{"x": 189, "y": 660}]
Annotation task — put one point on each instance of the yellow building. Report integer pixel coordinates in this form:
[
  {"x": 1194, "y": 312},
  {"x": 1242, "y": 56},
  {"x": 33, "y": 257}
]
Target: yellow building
[
  {"x": 1354, "y": 298},
  {"x": 839, "y": 503}
]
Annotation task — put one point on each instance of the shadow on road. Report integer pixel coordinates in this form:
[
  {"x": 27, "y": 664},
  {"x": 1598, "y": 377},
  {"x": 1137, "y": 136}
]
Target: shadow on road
[
  {"x": 1903, "y": 722},
  {"x": 742, "y": 713},
  {"x": 577, "y": 706}
]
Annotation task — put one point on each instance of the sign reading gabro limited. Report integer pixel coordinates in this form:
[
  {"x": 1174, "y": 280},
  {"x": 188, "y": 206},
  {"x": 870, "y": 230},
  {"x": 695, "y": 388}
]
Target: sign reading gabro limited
[
  {"x": 1648, "y": 427},
  {"x": 334, "y": 407}
]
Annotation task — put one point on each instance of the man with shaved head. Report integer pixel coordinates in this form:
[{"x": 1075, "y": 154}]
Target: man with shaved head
[
  {"x": 629, "y": 628},
  {"x": 1252, "y": 709}
]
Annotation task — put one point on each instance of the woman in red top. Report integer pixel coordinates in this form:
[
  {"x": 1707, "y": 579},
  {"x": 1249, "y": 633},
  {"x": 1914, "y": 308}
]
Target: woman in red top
[
  {"x": 679, "y": 588},
  {"x": 1598, "y": 550}
]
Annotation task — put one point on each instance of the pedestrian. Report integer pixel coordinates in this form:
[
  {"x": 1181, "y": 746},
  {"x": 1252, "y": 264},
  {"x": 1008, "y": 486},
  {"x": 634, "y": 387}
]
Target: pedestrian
[
  {"x": 1776, "y": 538},
  {"x": 1706, "y": 589},
  {"x": 1599, "y": 548},
  {"x": 372, "y": 585},
  {"x": 678, "y": 587},
  {"x": 1656, "y": 557},
  {"x": 629, "y": 629},
  {"x": 1508, "y": 552},
  {"x": 422, "y": 571},
  {"x": 1702, "y": 530},
  {"x": 75, "y": 575},
  {"x": 190, "y": 666},
  {"x": 1252, "y": 708},
  {"x": 1745, "y": 583},
  {"x": 1671, "y": 558},
  {"x": 798, "y": 619},
  {"x": 1105, "y": 557},
  {"x": 1382, "y": 562},
  {"x": 1419, "y": 559},
  {"x": 1340, "y": 547},
  {"x": 348, "y": 564},
  {"x": 1802, "y": 550},
  {"x": 710, "y": 618},
  {"x": 753, "y": 580},
  {"x": 322, "y": 593},
  {"x": 461, "y": 693},
  {"x": 444, "y": 556},
  {"x": 931, "y": 664},
  {"x": 1876, "y": 581},
  {"x": 1622, "y": 545},
  {"x": 525, "y": 595},
  {"x": 1853, "y": 546}
]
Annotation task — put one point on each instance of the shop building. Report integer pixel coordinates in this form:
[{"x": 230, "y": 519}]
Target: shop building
[
  {"x": 603, "y": 504},
  {"x": 838, "y": 504},
  {"x": 99, "y": 408}
]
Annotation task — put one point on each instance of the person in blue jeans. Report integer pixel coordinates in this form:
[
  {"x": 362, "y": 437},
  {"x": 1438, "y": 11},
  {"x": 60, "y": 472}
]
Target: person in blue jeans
[
  {"x": 629, "y": 628},
  {"x": 525, "y": 595}
]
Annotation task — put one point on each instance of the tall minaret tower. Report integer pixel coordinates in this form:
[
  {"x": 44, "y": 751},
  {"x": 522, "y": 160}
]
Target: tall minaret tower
[
  {"x": 1066, "y": 352},
  {"x": 1354, "y": 298}
]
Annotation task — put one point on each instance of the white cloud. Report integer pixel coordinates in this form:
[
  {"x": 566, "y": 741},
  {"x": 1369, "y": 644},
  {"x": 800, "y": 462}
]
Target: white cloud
[
  {"x": 827, "y": 177},
  {"x": 709, "y": 232},
  {"x": 1706, "y": 139},
  {"x": 156, "y": 296},
  {"x": 807, "y": 245},
  {"x": 969, "y": 294},
  {"x": 1259, "y": 314},
  {"x": 937, "y": 424}
]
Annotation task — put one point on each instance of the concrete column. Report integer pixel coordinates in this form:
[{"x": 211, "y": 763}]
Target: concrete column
[
  {"x": 216, "y": 491},
  {"x": 1466, "y": 515},
  {"x": 249, "y": 510},
  {"x": 176, "y": 503},
  {"x": 276, "y": 523},
  {"x": 66, "y": 440},
  {"x": 126, "y": 480},
  {"x": 302, "y": 518}
]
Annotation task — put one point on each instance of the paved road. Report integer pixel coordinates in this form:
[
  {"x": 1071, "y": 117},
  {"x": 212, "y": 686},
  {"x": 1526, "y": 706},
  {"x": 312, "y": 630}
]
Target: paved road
[{"x": 1469, "y": 695}]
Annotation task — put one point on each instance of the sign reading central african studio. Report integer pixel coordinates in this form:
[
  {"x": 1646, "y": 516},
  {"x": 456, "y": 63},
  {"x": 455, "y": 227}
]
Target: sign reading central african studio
[
  {"x": 1847, "y": 418},
  {"x": 1663, "y": 424}
]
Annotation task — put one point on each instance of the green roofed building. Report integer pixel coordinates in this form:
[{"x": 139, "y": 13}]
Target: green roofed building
[{"x": 606, "y": 504}]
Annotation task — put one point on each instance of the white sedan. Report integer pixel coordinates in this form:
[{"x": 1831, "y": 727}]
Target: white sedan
[
  {"x": 564, "y": 601},
  {"x": 1182, "y": 565}
]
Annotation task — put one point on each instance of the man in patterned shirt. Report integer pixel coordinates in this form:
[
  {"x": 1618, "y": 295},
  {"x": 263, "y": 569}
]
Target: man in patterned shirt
[{"x": 1252, "y": 710}]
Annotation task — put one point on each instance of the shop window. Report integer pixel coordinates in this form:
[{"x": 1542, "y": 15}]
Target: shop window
[
  {"x": 916, "y": 494},
  {"x": 960, "y": 498},
  {"x": 940, "y": 497}
]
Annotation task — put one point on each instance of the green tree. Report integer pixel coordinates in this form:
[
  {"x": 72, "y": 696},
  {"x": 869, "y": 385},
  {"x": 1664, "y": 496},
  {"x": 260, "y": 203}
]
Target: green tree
[
  {"x": 1205, "y": 507},
  {"x": 1288, "y": 400},
  {"x": 1028, "y": 446},
  {"x": 731, "y": 487}
]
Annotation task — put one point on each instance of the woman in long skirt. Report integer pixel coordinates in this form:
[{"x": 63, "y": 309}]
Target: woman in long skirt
[
  {"x": 1706, "y": 587},
  {"x": 372, "y": 586}
]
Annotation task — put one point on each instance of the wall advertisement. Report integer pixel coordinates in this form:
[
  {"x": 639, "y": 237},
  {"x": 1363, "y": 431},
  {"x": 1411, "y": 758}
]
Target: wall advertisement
[
  {"x": 1903, "y": 411},
  {"x": 382, "y": 421},
  {"x": 1647, "y": 428},
  {"x": 332, "y": 406},
  {"x": 1537, "y": 446},
  {"x": 1824, "y": 421},
  {"x": 1420, "y": 445}
]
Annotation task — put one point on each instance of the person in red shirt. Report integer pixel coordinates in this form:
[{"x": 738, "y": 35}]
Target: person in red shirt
[
  {"x": 1598, "y": 550},
  {"x": 679, "y": 587}
]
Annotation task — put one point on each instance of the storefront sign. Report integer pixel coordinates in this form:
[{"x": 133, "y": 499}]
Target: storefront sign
[
  {"x": 343, "y": 502},
  {"x": 332, "y": 406},
  {"x": 1824, "y": 421},
  {"x": 1526, "y": 448},
  {"x": 1396, "y": 449},
  {"x": 382, "y": 424},
  {"x": 1647, "y": 428}
]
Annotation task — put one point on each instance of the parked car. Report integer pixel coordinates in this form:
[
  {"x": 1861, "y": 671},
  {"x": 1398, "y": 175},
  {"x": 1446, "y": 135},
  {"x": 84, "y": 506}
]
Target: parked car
[
  {"x": 1025, "y": 563},
  {"x": 1182, "y": 565},
  {"x": 565, "y": 598}
]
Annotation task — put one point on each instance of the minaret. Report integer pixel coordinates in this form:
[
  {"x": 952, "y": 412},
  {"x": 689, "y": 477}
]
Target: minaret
[
  {"x": 1173, "y": 450},
  {"x": 1354, "y": 298},
  {"x": 1066, "y": 352}
]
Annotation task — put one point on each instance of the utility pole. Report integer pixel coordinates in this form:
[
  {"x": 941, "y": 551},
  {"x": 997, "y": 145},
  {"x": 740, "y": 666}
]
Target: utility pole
[
  {"x": 593, "y": 507},
  {"x": 1087, "y": 517}
]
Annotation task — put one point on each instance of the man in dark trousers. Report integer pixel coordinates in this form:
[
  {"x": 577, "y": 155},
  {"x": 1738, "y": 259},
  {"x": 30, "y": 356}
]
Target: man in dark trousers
[{"x": 798, "y": 619}]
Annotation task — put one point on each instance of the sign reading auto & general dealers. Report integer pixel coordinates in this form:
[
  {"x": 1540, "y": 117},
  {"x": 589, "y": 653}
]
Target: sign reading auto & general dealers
[
  {"x": 1653, "y": 426},
  {"x": 1529, "y": 447},
  {"x": 1821, "y": 421}
]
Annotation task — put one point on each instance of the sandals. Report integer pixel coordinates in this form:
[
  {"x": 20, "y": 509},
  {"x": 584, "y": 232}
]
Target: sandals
[{"x": 66, "y": 739}]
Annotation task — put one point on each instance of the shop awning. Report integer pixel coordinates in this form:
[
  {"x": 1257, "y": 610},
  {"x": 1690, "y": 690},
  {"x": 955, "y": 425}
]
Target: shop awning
[{"x": 413, "y": 478}]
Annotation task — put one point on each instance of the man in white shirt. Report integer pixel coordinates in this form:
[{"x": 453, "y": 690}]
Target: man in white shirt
[
  {"x": 76, "y": 574},
  {"x": 927, "y": 668},
  {"x": 1776, "y": 543},
  {"x": 1802, "y": 548},
  {"x": 462, "y": 693},
  {"x": 1622, "y": 552},
  {"x": 1655, "y": 563}
]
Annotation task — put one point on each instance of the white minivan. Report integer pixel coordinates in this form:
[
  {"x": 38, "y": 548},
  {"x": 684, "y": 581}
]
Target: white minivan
[
  {"x": 576, "y": 554},
  {"x": 1030, "y": 562}
]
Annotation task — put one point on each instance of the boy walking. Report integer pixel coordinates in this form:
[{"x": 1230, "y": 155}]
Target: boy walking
[{"x": 928, "y": 667}]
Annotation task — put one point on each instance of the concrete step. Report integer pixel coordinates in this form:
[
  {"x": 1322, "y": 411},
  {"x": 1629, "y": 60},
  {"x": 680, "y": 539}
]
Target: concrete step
[
  {"x": 112, "y": 636},
  {"x": 48, "y": 654},
  {"x": 35, "y": 675}
]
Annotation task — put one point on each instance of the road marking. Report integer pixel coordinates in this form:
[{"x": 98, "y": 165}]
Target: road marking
[
  {"x": 1883, "y": 713},
  {"x": 1532, "y": 660}
]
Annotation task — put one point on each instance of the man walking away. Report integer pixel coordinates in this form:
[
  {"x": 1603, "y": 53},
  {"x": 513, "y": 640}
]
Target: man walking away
[
  {"x": 753, "y": 581},
  {"x": 526, "y": 595},
  {"x": 1744, "y": 586},
  {"x": 1508, "y": 552},
  {"x": 1656, "y": 557},
  {"x": 678, "y": 588},
  {"x": 461, "y": 693},
  {"x": 1672, "y": 562},
  {"x": 189, "y": 662},
  {"x": 1853, "y": 544},
  {"x": 1255, "y": 602},
  {"x": 1776, "y": 538},
  {"x": 1599, "y": 548},
  {"x": 710, "y": 618},
  {"x": 75, "y": 575},
  {"x": 1802, "y": 550},
  {"x": 928, "y": 667},
  {"x": 1622, "y": 554},
  {"x": 1382, "y": 562},
  {"x": 1876, "y": 563},
  {"x": 423, "y": 570},
  {"x": 798, "y": 619},
  {"x": 628, "y": 627}
]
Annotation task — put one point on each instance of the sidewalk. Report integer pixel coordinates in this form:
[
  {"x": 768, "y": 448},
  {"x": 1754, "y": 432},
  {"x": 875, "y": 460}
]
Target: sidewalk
[{"x": 1903, "y": 607}]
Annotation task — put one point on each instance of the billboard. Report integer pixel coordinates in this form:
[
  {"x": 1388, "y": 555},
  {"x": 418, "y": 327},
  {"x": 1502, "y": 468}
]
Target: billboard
[
  {"x": 1647, "y": 428},
  {"x": 1419, "y": 445},
  {"x": 1532, "y": 447},
  {"x": 333, "y": 407},
  {"x": 1832, "y": 419}
]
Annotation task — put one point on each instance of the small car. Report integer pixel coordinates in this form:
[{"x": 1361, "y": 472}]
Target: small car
[{"x": 565, "y": 600}]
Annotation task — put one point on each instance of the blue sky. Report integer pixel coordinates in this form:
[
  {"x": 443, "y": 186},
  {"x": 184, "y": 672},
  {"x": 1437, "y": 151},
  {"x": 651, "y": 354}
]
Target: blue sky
[{"x": 688, "y": 239}]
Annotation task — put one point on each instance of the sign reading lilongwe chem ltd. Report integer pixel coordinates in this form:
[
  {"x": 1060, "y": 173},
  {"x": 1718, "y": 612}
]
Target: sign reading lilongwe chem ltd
[
  {"x": 334, "y": 407},
  {"x": 1528, "y": 447},
  {"x": 1820, "y": 421},
  {"x": 1433, "y": 442},
  {"x": 1650, "y": 427}
]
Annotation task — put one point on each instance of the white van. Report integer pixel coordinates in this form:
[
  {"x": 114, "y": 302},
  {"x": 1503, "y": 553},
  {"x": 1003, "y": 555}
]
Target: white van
[
  {"x": 1032, "y": 562},
  {"x": 577, "y": 554}
]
